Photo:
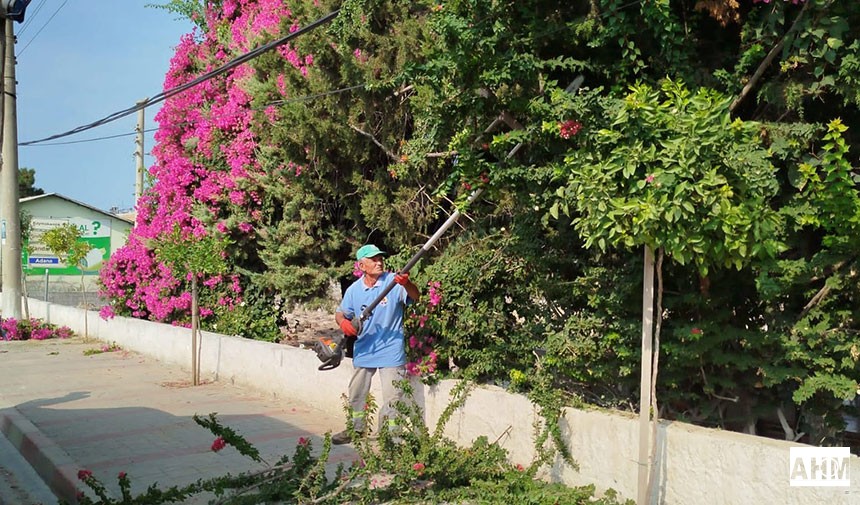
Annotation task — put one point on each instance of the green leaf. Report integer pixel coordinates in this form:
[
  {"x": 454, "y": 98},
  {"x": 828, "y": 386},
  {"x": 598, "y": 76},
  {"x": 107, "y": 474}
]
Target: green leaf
[{"x": 834, "y": 43}]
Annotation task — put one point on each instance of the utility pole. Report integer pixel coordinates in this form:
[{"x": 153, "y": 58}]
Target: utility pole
[
  {"x": 2, "y": 220},
  {"x": 11, "y": 243},
  {"x": 138, "y": 186}
]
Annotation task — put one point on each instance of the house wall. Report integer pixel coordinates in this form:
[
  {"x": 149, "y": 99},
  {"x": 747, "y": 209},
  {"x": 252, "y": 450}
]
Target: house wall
[
  {"x": 104, "y": 232},
  {"x": 58, "y": 208}
]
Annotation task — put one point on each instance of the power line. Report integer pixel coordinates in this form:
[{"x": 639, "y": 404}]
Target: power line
[
  {"x": 108, "y": 137},
  {"x": 179, "y": 89},
  {"x": 43, "y": 27},
  {"x": 31, "y": 17},
  {"x": 304, "y": 98},
  {"x": 209, "y": 75}
]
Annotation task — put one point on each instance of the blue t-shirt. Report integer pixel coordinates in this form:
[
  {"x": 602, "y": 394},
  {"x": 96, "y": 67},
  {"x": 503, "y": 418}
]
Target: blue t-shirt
[{"x": 380, "y": 343}]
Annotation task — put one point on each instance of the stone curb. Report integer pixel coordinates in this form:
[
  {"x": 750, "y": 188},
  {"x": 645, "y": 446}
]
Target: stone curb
[{"x": 56, "y": 468}]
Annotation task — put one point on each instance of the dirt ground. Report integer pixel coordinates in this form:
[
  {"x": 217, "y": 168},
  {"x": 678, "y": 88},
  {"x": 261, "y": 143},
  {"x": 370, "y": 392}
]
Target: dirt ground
[{"x": 304, "y": 327}]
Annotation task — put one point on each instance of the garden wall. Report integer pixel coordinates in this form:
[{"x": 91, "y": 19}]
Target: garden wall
[{"x": 694, "y": 465}]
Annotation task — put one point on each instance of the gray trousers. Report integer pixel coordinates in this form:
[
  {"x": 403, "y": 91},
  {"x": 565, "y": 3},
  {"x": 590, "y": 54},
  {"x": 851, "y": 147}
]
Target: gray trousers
[{"x": 359, "y": 387}]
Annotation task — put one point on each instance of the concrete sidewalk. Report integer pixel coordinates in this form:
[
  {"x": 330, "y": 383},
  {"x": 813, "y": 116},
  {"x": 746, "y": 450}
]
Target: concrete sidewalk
[{"x": 125, "y": 412}]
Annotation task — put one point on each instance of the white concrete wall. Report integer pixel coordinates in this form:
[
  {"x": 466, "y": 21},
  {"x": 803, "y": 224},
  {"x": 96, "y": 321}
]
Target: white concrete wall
[{"x": 695, "y": 466}]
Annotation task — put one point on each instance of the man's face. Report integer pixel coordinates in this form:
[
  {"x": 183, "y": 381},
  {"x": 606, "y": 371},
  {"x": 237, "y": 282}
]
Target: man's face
[{"x": 373, "y": 266}]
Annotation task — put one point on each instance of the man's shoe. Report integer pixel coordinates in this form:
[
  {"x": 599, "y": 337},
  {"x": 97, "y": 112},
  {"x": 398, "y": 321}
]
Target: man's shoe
[{"x": 343, "y": 437}]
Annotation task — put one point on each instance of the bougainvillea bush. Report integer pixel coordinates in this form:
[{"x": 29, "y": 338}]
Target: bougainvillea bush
[
  {"x": 377, "y": 126},
  {"x": 31, "y": 329},
  {"x": 284, "y": 179},
  {"x": 422, "y": 467}
]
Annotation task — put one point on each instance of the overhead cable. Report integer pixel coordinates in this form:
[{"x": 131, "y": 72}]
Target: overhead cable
[
  {"x": 194, "y": 82},
  {"x": 285, "y": 101},
  {"x": 42, "y": 28},
  {"x": 31, "y": 17}
]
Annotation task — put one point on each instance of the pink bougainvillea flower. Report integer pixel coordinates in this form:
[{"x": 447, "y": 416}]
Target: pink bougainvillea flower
[
  {"x": 418, "y": 467},
  {"x": 649, "y": 179},
  {"x": 84, "y": 474},
  {"x": 121, "y": 475},
  {"x": 304, "y": 441},
  {"x": 218, "y": 444},
  {"x": 412, "y": 369}
]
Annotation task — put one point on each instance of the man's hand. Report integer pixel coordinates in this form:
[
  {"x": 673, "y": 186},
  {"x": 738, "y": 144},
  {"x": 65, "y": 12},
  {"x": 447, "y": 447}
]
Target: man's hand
[
  {"x": 411, "y": 289},
  {"x": 347, "y": 328}
]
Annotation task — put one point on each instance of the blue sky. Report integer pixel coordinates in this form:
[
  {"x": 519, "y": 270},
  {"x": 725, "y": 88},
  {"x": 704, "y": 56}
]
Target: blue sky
[{"x": 95, "y": 57}]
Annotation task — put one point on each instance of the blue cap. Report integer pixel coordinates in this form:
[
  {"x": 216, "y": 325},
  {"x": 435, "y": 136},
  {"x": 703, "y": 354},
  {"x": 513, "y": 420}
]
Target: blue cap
[{"x": 368, "y": 251}]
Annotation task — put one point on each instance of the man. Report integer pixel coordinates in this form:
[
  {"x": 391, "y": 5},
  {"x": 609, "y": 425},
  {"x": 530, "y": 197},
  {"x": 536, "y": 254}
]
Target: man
[{"x": 380, "y": 345}]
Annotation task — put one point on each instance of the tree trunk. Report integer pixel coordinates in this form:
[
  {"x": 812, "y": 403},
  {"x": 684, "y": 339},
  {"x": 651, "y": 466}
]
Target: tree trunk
[
  {"x": 195, "y": 321},
  {"x": 86, "y": 306}
]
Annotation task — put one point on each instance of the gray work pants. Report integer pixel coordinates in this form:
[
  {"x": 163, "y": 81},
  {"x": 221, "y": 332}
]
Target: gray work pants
[{"x": 359, "y": 387}]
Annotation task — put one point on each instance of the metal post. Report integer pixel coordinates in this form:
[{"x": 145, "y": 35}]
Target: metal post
[
  {"x": 47, "y": 302},
  {"x": 138, "y": 185},
  {"x": 645, "y": 377},
  {"x": 11, "y": 246}
]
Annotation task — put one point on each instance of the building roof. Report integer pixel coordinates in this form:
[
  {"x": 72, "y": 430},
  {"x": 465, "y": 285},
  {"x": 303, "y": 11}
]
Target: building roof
[{"x": 82, "y": 204}]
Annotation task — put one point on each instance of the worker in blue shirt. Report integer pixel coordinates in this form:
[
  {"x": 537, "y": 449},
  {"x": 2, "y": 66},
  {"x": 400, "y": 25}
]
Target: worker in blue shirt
[{"x": 380, "y": 345}]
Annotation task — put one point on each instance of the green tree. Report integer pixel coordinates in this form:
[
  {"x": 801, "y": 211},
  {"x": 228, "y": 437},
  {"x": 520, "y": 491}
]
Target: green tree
[
  {"x": 65, "y": 243},
  {"x": 733, "y": 175},
  {"x": 27, "y": 183},
  {"x": 192, "y": 258}
]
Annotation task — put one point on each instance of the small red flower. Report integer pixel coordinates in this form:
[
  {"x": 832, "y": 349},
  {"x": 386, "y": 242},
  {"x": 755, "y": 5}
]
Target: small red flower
[
  {"x": 467, "y": 186},
  {"x": 418, "y": 467},
  {"x": 649, "y": 179},
  {"x": 696, "y": 331},
  {"x": 520, "y": 467},
  {"x": 84, "y": 474},
  {"x": 121, "y": 475},
  {"x": 218, "y": 444},
  {"x": 303, "y": 441},
  {"x": 569, "y": 128}
]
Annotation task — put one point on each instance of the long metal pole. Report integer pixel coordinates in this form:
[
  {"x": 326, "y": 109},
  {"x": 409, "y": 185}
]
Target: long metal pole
[
  {"x": 11, "y": 246},
  {"x": 645, "y": 377},
  {"x": 357, "y": 321},
  {"x": 420, "y": 254},
  {"x": 138, "y": 183}
]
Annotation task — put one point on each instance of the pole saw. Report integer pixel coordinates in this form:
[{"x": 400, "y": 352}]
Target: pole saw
[{"x": 331, "y": 351}]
